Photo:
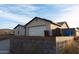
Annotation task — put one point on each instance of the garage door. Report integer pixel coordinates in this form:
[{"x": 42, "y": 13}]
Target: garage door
[{"x": 37, "y": 31}]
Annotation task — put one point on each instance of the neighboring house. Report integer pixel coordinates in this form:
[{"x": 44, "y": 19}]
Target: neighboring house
[
  {"x": 6, "y": 32},
  {"x": 37, "y": 26},
  {"x": 19, "y": 30},
  {"x": 64, "y": 32},
  {"x": 63, "y": 25}
]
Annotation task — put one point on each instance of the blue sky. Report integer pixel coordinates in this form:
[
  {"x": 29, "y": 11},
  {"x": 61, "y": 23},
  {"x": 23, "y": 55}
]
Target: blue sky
[{"x": 13, "y": 14}]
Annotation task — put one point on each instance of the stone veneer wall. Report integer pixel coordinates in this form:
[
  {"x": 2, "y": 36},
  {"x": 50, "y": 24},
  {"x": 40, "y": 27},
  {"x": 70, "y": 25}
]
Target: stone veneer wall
[
  {"x": 33, "y": 46},
  {"x": 40, "y": 45}
]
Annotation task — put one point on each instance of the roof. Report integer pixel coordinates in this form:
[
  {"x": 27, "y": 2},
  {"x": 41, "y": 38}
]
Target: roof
[
  {"x": 42, "y": 19},
  {"x": 18, "y": 25},
  {"x": 61, "y": 23}
]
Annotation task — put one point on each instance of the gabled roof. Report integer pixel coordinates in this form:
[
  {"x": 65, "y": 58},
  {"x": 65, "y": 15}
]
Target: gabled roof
[
  {"x": 61, "y": 23},
  {"x": 18, "y": 25},
  {"x": 42, "y": 19}
]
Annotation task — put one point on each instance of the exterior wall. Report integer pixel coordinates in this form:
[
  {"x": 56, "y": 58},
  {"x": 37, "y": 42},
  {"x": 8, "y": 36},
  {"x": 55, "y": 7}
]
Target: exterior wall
[
  {"x": 4, "y": 46},
  {"x": 63, "y": 26},
  {"x": 40, "y": 45},
  {"x": 63, "y": 42},
  {"x": 77, "y": 32},
  {"x": 37, "y": 23},
  {"x": 19, "y": 29},
  {"x": 53, "y": 26},
  {"x": 33, "y": 45}
]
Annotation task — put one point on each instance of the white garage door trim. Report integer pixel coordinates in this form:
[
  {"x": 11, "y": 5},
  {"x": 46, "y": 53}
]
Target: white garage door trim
[{"x": 37, "y": 31}]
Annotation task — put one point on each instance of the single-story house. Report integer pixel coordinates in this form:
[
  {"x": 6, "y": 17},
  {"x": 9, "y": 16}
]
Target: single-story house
[
  {"x": 37, "y": 26},
  {"x": 19, "y": 30},
  {"x": 63, "y": 25},
  {"x": 41, "y": 27}
]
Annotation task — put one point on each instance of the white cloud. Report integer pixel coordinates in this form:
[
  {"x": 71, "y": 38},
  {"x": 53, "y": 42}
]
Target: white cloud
[
  {"x": 16, "y": 14},
  {"x": 69, "y": 14},
  {"x": 28, "y": 6},
  {"x": 14, "y": 17},
  {"x": 6, "y": 25},
  {"x": 22, "y": 9},
  {"x": 23, "y": 13}
]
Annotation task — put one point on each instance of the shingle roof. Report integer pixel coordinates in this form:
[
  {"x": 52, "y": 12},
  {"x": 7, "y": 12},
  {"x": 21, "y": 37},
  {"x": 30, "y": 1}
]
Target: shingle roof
[
  {"x": 61, "y": 23},
  {"x": 42, "y": 19},
  {"x": 58, "y": 23},
  {"x": 19, "y": 25}
]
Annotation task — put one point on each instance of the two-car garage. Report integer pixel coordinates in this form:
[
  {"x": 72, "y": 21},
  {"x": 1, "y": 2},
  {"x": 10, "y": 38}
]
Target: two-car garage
[
  {"x": 37, "y": 30},
  {"x": 37, "y": 27}
]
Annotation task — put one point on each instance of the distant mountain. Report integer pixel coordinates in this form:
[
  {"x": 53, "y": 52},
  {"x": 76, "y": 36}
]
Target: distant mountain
[{"x": 6, "y": 31}]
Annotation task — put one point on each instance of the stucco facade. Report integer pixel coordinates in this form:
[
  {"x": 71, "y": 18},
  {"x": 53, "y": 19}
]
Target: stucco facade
[
  {"x": 52, "y": 26},
  {"x": 77, "y": 32},
  {"x": 19, "y": 30},
  {"x": 38, "y": 25}
]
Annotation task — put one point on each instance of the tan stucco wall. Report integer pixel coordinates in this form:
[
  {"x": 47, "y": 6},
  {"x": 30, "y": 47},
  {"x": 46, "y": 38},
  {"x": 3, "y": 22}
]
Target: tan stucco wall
[
  {"x": 63, "y": 38},
  {"x": 37, "y": 22},
  {"x": 52, "y": 26},
  {"x": 77, "y": 32},
  {"x": 20, "y": 29}
]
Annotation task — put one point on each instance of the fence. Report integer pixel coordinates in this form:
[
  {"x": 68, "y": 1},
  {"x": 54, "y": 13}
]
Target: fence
[
  {"x": 33, "y": 45},
  {"x": 63, "y": 43},
  {"x": 37, "y": 44}
]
